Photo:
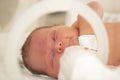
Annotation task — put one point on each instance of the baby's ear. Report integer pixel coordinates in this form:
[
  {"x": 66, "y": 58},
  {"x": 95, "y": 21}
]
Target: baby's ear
[{"x": 96, "y": 7}]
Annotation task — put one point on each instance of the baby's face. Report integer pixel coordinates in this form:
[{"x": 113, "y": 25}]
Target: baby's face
[{"x": 47, "y": 46}]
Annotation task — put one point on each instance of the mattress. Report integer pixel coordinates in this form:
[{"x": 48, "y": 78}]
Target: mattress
[{"x": 3, "y": 75}]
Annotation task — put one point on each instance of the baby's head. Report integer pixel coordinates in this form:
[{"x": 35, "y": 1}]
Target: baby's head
[{"x": 44, "y": 46}]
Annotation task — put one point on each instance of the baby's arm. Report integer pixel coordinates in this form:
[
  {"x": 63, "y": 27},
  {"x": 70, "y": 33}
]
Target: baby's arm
[{"x": 112, "y": 29}]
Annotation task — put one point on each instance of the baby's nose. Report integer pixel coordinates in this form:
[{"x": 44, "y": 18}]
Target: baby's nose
[{"x": 60, "y": 47}]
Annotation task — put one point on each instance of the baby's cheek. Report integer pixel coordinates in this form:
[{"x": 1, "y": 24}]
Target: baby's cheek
[
  {"x": 58, "y": 62},
  {"x": 56, "y": 65}
]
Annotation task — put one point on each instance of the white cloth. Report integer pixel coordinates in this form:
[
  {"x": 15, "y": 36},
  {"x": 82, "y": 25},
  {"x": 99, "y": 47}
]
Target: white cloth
[
  {"x": 78, "y": 63},
  {"x": 88, "y": 41}
]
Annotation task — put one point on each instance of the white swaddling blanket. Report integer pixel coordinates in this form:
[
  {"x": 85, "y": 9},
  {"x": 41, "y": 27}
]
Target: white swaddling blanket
[
  {"x": 88, "y": 41},
  {"x": 79, "y": 63},
  {"x": 82, "y": 62}
]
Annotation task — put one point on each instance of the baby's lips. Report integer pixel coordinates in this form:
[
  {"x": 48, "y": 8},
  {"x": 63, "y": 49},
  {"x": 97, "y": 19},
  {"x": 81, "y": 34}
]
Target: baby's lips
[
  {"x": 70, "y": 42},
  {"x": 66, "y": 42},
  {"x": 74, "y": 41}
]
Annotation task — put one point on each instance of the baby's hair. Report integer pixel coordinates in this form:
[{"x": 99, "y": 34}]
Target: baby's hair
[{"x": 25, "y": 50}]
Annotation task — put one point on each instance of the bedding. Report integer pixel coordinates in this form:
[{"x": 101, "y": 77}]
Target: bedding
[
  {"x": 3, "y": 75},
  {"x": 79, "y": 63}
]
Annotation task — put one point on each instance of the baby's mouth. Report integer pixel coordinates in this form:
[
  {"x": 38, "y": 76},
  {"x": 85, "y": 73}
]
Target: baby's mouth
[{"x": 74, "y": 41}]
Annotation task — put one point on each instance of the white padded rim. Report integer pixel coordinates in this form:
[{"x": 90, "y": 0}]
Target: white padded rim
[
  {"x": 38, "y": 10},
  {"x": 97, "y": 25}
]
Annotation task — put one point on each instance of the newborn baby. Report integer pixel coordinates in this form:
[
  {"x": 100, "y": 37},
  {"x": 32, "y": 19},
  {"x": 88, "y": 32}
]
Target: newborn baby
[{"x": 44, "y": 47}]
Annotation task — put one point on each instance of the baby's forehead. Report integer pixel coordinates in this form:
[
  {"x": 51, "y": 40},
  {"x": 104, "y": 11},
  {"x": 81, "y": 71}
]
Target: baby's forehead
[
  {"x": 40, "y": 30},
  {"x": 40, "y": 38},
  {"x": 44, "y": 32}
]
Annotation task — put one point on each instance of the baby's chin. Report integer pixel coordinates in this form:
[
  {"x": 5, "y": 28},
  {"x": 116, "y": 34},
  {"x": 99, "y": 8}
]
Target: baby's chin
[
  {"x": 74, "y": 41},
  {"x": 53, "y": 73}
]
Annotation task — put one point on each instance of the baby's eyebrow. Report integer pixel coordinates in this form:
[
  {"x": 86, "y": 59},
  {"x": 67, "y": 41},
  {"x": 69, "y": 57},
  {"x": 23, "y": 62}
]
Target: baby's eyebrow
[
  {"x": 53, "y": 55},
  {"x": 50, "y": 59}
]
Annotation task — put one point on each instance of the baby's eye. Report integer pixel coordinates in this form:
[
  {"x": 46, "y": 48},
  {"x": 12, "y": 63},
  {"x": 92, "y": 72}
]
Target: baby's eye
[
  {"x": 54, "y": 36},
  {"x": 53, "y": 58},
  {"x": 53, "y": 55}
]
